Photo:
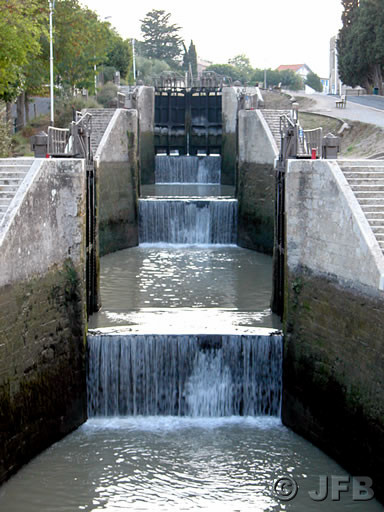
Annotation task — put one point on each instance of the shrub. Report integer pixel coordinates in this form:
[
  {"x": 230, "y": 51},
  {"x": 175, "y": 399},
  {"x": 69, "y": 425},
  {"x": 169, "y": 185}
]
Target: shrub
[
  {"x": 5, "y": 138},
  {"x": 108, "y": 95}
]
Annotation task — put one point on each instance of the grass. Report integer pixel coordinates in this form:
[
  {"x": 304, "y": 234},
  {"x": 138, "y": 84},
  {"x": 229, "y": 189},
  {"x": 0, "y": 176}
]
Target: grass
[{"x": 311, "y": 121}]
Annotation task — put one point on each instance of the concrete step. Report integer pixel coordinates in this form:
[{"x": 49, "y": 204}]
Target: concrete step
[
  {"x": 369, "y": 195},
  {"x": 16, "y": 161},
  {"x": 14, "y": 169},
  {"x": 374, "y": 215},
  {"x": 372, "y": 208},
  {"x": 376, "y": 223},
  {"x": 5, "y": 201},
  {"x": 9, "y": 188},
  {"x": 7, "y": 195},
  {"x": 365, "y": 175},
  {"x": 366, "y": 182},
  {"x": 367, "y": 188},
  {"x": 379, "y": 237},
  {"x": 10, "y": 181}
]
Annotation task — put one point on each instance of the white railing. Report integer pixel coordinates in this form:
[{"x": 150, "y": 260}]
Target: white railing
[
  {"x": 313, "y": 139},
  {"x": 57, "y": 140}
]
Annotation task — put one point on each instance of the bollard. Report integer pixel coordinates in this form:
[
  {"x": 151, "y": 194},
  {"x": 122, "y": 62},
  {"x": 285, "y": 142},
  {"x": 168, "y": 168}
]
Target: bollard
[
  {"x": 39, "y": 144},
  {"x": 314, "y": 154}
]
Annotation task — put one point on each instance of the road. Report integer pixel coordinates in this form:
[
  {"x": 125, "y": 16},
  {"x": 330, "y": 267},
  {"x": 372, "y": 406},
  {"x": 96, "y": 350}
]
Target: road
[
  {"x": 354, "y": 110},
  {"x": 368, "y": 101}
]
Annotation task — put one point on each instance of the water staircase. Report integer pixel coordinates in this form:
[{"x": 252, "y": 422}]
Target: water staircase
[{"x": 201, "y": 374}]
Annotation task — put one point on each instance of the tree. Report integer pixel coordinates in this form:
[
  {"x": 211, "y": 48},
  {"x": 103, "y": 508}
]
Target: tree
[
  {"x": 225, "y": 70},
  {"x": 81, "y": 42},
  {"x": 161, "y": 39},
  {"x": 314, "y": 82},
  {"x": 360, "y": 44},
  {"x": 243, "y": 66},
  {"x": 190, "y": 58},
  {"x": 149, "y": 69},
  {"x": 119, "y": 54},
  {"x": 21, "y": 25}
]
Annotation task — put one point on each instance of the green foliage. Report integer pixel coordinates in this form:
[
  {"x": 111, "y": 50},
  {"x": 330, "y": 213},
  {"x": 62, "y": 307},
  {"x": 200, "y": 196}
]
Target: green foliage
[
  {"x": 5, "y": 138},
  {"x": 161, "y": 39},
  {"x": 360, "y": 44},
  {"x": 190, "y": 58},
  {"x": 149, "y": 69},
  {"x": 21, "y": 26},
  {"x": 239, "y": 68},
  {"x": 67, "y": 104},
  {"x": 107, "y": 95},
  {"x": 225, "y": 70},
  {"x": 243, "y": 67},
  {"x": 81, "y": 42},
  {"x": 119, "y": 55},
  {"x": 314, "y": 81}
]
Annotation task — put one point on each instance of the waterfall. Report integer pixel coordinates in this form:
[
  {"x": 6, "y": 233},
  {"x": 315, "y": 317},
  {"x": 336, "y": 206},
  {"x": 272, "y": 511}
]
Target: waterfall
[
  {"x": 187, "y": 169},
  {"x": 186, "y": 221},
  {"x": 202, "y": 375}
]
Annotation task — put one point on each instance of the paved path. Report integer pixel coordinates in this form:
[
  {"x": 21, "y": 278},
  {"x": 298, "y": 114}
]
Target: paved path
[
  {"x": 354, "y": 111},
  {"x": 368, "y": 101}
]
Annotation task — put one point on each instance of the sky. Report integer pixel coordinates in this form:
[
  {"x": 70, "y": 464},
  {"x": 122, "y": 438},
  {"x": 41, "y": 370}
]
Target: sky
[{"x": 269, "y": 32}]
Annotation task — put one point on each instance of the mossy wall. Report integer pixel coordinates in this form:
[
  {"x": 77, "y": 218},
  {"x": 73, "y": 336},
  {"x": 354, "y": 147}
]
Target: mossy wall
[
  {"x": 42, "y": 313},
  {"x": 42, "y": 364},
  {"x": 256, "y": 191},
  {"x": 147, "y": 157},
  {"x": 118, "y": 227},
  {"x": 333, "y": 389},
  {"x": 118, "y": 184}
]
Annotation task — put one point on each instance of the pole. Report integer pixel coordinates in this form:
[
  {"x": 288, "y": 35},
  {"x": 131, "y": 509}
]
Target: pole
[
  {"x": 134, "y": 60},
  {"x": 51, "y": 7},
  {"x": 265, "y": 79}
]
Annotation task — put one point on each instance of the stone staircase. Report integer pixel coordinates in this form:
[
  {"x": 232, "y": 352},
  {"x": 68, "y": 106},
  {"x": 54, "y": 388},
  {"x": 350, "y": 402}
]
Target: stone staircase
[
  {"x": 272, "y": 118},
  {"x": 12, "y": 173},
  {"x": 100, "y": 121},
  {"x": 367, "y": 182}
]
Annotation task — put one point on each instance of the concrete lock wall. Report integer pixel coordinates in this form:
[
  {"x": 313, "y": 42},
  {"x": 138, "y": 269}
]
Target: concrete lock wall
[
  {"x": 145, "y": 105},
  {"x": 229, "y": 136},
  {"x": 42, "y": 315},
  {"x": 118, "y": 183},
  {"x": 256, "y": 182},
  {"x": 333, "y": 321}
]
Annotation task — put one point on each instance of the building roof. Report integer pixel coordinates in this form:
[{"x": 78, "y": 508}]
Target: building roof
[{"x": 293, "y": 67}]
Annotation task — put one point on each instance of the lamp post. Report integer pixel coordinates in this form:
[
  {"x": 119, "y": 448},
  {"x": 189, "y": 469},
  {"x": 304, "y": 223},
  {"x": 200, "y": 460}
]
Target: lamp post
[
  {"x": 51, "y": 8},
  {"x": 134, "y": 60}
]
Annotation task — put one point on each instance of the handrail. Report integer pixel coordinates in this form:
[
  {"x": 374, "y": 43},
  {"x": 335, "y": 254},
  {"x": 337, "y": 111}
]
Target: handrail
[
  {"x": 57, "y": 140},
  {"x": 313, "y": 139}
]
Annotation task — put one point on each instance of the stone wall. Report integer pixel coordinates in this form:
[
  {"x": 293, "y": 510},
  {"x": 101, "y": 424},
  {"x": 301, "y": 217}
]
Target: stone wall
[
  {"x": 256, "y": 182},
  {"x": 145, "y": 105},
  {"x": 118, "y": 183},
  {"x": 229, "y": 136},
  {"x": 333, "y": 321},
  {"x": 42, "y": 314}
]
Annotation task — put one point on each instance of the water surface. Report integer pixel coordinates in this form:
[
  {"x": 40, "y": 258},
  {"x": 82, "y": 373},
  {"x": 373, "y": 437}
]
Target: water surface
[
  {"x": 174, "y": 464},
  {"x": 170, "y": 288}
]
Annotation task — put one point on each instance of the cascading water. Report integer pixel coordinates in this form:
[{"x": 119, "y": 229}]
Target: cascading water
[
  {"x": 181, "y": 220},
  {"x": 188, "y": 221},
  {"x": 188, "y": 169},
  {"x": 198, "y": 376}
]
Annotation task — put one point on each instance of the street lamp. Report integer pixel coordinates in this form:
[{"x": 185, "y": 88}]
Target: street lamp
[
  {"x": 51, "y": 8},
  {"x": 134, "y": 60}
]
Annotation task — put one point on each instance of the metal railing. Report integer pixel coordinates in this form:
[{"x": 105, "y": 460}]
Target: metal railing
[
  {"x": 313, "y": 139},
  {"x": 289, "y": 132},
  {"x": 57, "y": 141}
]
